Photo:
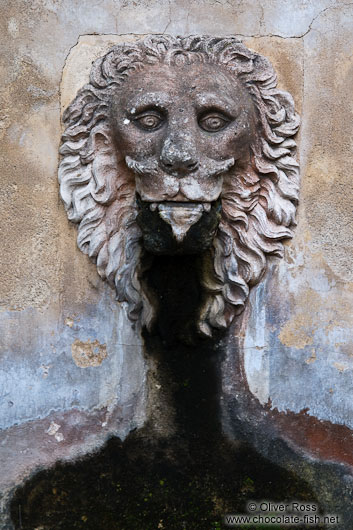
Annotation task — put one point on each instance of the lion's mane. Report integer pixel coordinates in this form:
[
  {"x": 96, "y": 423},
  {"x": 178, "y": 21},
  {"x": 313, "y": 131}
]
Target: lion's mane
[{"x": 258, "y": 205}]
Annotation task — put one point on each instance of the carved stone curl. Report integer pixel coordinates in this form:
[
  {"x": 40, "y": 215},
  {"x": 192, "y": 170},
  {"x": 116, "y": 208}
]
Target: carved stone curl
[{"x": 181, "y": 145}]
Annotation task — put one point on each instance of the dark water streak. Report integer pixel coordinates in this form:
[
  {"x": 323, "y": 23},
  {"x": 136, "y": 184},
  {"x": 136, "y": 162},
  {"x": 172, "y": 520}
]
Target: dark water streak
[{"x": 187, "y": 479}]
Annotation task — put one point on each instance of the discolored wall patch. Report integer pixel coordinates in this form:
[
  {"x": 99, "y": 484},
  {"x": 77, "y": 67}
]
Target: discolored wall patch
[{"x": 88, "y": 353}]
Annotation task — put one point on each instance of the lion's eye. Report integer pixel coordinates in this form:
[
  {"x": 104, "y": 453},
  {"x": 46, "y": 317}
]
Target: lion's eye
[
  {"x": 149, "y": 121},
  {"x": 213, "y": 122}
]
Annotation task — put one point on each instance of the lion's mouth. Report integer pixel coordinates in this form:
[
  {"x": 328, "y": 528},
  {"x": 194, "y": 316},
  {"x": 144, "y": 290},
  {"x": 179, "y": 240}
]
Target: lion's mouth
[
  {"x": 180, "y": 215},
  {"x": 173, "y": 227}
]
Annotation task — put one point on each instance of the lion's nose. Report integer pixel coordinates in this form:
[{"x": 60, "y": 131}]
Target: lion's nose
[{"x": 177, "y": 156}]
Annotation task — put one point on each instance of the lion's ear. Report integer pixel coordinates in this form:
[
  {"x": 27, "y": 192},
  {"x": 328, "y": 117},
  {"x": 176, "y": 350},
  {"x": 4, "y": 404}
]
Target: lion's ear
[
  {"x": 100, "y": 153},
  {"x": 99, "y": 142}
]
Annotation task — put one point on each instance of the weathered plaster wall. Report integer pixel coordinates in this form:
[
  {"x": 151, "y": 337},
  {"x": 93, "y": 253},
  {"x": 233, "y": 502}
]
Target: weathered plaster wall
[{"x": 298, "y": 344}]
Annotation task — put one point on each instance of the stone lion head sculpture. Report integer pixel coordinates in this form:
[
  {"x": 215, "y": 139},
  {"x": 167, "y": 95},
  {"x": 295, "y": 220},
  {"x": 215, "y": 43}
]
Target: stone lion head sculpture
[{"x": 181, "y": 145}]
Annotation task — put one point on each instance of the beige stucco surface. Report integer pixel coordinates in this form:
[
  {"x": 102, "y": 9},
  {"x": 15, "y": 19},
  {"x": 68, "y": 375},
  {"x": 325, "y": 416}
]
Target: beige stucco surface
[
  {"x": 314, "y": 283},
  {"x": 299, "y": 349}
]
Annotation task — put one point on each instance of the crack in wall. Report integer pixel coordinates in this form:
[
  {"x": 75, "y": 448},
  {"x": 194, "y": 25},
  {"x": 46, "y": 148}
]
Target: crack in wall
[
  {"x": 302, "y": 35},
  {"x": 170, "y": 18},
  {"x": 244, "y": 35}
]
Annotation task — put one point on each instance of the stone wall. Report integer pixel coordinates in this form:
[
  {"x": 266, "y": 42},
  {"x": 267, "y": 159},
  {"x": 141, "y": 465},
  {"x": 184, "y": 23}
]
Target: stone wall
[{"x": 72, "y": 370}]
